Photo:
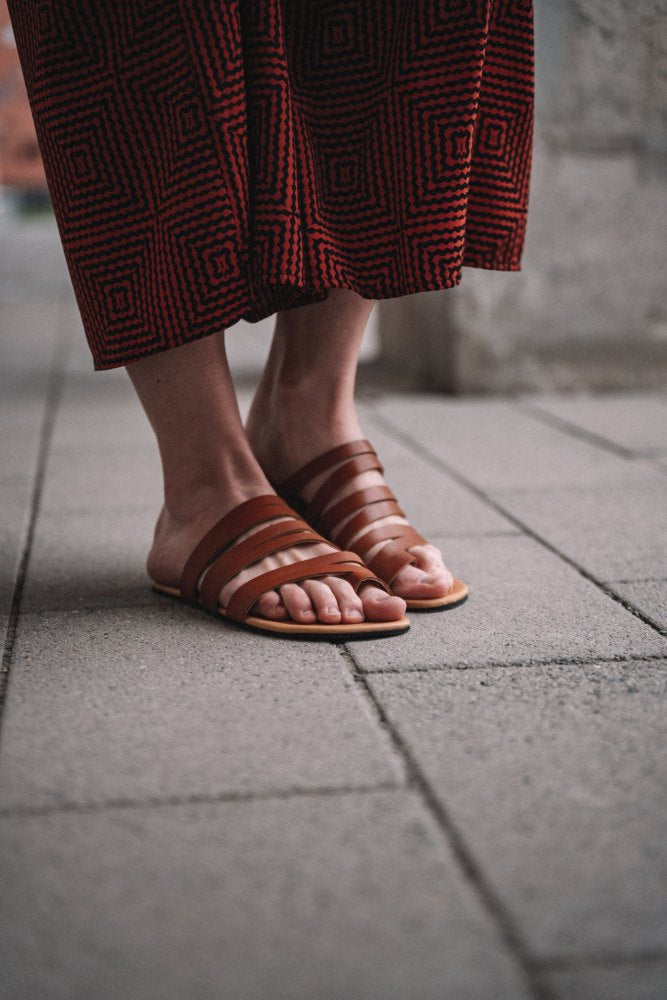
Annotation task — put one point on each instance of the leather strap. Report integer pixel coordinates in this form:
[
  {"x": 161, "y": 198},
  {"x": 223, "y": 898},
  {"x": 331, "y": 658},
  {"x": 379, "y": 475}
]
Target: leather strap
[
  {"x": 339, "y": 478},
  {"x": 330, "y": 564},
  {"x": 390, "y": 560},
  {"x": 260, "y": 544},
  {"x": 356, "y": 512},
  {"x": 220, "y": 559},
  {"x": 351, "y": 504},
  {"x": 403, "y": 533},
  {"x": 246, "y": 515},
  {"x": 365, "y": 575},
  {"x": 365, "y": 517},
  {"x": 295, "y": 483}
]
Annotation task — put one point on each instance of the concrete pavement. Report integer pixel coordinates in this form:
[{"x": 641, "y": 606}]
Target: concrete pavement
[{"x": 475, "y": 810}]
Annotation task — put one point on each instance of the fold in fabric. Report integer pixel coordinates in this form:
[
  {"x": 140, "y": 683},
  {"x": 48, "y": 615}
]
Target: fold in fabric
[{"x": 219, "y": 161}]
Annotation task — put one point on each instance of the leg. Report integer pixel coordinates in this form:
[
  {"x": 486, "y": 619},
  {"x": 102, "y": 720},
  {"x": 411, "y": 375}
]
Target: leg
[
  {"x": 311, "y": 371},
  {"x": 209, "y": 468}
]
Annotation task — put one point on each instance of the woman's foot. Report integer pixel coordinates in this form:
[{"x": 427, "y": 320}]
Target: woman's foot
[
  {"x": 330, "y": 600},
  {"x": 208, "y": 469},
  {"x": 283, "y": 443},
  {"x": 304, "y": 406}
]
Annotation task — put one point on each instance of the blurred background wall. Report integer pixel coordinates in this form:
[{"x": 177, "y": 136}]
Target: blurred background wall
[{"x": 588, "y": 310}]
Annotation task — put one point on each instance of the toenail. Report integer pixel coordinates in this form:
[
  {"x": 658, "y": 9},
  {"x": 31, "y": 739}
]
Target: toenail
[
  {"x": 308, "y": 614},
  {"x": 356, "y": 615},
  {"x": 333, "y": 611}
]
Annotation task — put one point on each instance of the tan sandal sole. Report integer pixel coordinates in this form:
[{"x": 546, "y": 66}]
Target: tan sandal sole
[
  {"x": 363, "y": 630},
  {"x": 457, "y": 595}
]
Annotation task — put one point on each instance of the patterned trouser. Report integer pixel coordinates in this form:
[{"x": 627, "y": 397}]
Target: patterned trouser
[{"x": 212, "y": 160}]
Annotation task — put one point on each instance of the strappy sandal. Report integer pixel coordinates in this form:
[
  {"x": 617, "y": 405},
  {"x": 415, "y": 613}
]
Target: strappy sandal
[
  {"x": 219, "y": 557},
  {"x": 362, "y": 509}
]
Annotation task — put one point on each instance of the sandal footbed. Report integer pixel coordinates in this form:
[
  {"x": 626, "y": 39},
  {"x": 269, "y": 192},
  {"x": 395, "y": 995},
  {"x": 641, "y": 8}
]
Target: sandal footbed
[{"x": 294, "y": 630}]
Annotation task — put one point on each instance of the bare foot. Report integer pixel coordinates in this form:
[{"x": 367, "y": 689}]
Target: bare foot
[
  {"x": 428, "y": 578},
  {"x": 330, "y": 600}
]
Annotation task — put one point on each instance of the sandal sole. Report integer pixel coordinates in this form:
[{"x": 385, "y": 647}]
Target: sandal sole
[
  {"x": 292, "y": 630},
  {"x": 456, "y": 596}
]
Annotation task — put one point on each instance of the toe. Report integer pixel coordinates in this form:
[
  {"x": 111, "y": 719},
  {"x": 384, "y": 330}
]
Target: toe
[
  {"x": 413, "y": 582},
  {"x": 323, "y": 600},
  {"x": 298, "y": 603},
  {"x": 270, "y": 606},
  {"x": 429, "y": 559},
  {"x": 380, "y": 606},
  {"x": 350, "y": 604}
]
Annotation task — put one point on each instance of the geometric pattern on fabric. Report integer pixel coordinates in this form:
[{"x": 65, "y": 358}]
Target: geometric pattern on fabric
[{"x": 210, "y": 162}]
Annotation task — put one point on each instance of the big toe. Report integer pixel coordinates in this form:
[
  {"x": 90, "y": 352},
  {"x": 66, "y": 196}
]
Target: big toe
[
  {"x": 380, "y": 606},
  {"x": 414, "y": 582}
]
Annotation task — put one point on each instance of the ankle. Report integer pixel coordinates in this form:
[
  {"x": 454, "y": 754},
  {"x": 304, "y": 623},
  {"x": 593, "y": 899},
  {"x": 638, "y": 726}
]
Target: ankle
[
  {"x": 287, "y": 429},
  {"x": 202, "y": 495}
]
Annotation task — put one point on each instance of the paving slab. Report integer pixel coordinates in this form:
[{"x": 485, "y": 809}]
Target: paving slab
[
  {"x": 90, "y": 559},
  {"x": 347, "y": 896},
  {"x": 21, "y": 422},
  {"x": 614, "y": 532},
  {"x": 15, "y": 500},
  {"x": 169, "y": 702},
  {"x": 632, "y": 981},
  {"x": 525, "y": 604},
  {"x": 15, "y": 504},
  {"x": 648, "y": 596},
  {"x": 35, "y": 266},
  {"x": 29, "y": 333},
  {"x": 100, "y": 410},
  {"x": 554, "y": 776},
  {"x": 636, "y": 422},
  {"x": 92, "y": 479},
  {"x": 432, "y": 500},
  {"x": 497, "y": 446}
]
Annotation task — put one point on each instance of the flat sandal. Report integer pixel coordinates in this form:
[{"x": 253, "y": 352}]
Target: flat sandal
[
  {"x": 362, "y": 508},
  {"x": 219, "y": 557}
]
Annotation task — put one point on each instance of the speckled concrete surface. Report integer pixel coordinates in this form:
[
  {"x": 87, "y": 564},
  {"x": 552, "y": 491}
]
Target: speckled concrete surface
[{"x": 473, "y": 810}]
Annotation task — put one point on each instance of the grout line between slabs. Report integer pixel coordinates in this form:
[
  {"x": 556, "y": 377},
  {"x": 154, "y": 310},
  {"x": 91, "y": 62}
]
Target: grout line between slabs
[
  {"x": 525, "y": 528},
  {"x": 505, "y": 925},
  {"x": 84, "y": 808},
  {"x": 602, "y": 960},
  {"x": 565, "y": 661},
  {"x": 460, "y": 665},
  {"x": 70, "y": 609},
  {"x": 52, "y": 399},
  {"x": 55, "y": 510},
  {"x": 575, "y": 431}
]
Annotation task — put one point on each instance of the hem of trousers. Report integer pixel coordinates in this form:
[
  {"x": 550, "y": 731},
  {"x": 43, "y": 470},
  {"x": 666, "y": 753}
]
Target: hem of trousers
[{"x": 316, "y": 288}]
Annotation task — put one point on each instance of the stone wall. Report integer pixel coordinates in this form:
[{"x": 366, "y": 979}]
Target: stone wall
[{"x": 588, "y": 308}]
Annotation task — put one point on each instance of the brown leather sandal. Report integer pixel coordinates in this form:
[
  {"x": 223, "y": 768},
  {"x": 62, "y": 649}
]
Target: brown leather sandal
[
  {"x": 219, "y": 557},
  {"x": 360, "y": 510}
]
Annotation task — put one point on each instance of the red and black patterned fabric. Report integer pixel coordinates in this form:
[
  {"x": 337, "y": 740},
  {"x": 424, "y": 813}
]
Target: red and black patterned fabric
[{"x": 212, "y": 160}]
